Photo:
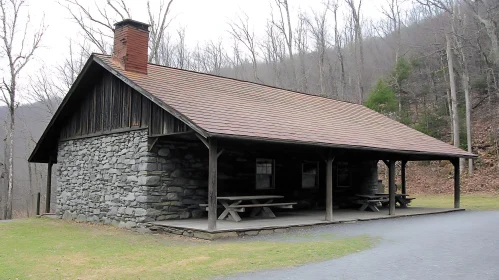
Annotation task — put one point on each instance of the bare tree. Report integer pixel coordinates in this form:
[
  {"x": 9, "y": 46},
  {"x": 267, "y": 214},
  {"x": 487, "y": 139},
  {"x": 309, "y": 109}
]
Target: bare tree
[
  {"x": 359, "y": 48},
  {"x": 4, "y": 176},
  {"x": 181, "y": 58},
  {"x": 236, "y": 61},
  {"x": 301, "y": 42},
  {"x": 318, "y": 28},
  {"x": 392, "y": 12},
  {"x": 333, "y": 6},
  {"x": 459, "y": 34},
  {"x": 73, "y": 63},
  {"x": 452, "y": 38},
  {"x": 273, "y": 52},
  {"x": 98, "y": 26},
  {"x": 242, "y": 32},
  {"x": 46, "y": 91},
  {"x": 453, "y": 90},
  {"x": 48, "y": 87},
  {"x": 19, "y": 51},
  {"x": 484, "y": 11},
  {"x": 283, "y": 24},
  {"x": 166, "y": 51},
  {"x": 159, "y": 25},
  {"x": 216, "y": 56}
]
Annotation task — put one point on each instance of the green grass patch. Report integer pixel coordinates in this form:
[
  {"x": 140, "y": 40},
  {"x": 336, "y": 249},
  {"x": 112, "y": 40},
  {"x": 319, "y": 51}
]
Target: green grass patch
[
  {"x": 55, "y": 249},
  {"x": 469, "y": 202}
]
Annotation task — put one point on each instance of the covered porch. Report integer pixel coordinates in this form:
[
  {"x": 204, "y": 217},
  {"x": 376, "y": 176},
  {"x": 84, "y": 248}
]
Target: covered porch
[
  {"x": 284, "y": 221},
  {"x": 234, "y": 170}
]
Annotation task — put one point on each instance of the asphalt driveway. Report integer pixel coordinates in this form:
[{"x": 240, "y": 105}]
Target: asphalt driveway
[{"x": 459, "y": 245}]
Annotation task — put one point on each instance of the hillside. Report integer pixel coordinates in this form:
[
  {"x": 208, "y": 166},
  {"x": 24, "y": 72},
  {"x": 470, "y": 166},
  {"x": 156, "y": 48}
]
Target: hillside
[{"x": 437, "y": 177}]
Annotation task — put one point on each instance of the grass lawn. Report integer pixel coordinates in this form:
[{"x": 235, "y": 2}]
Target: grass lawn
[
  {"x": 469, "y": 202},
  {"x": 54, "y": 249}
]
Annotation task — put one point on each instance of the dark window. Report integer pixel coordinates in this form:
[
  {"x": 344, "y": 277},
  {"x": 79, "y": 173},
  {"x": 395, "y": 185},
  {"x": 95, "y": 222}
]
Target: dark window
[
  {"x": 310, "y": 175},
  {"x": 264, "y": 174}
]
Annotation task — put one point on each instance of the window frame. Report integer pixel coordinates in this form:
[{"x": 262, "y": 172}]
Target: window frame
[
  {"x": 272, "y": 174},
  {"x": 316, "y": 174}
]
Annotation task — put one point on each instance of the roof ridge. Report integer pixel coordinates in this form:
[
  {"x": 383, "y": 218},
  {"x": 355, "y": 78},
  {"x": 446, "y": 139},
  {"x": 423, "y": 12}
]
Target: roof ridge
[{"x": 245, "y": 81}]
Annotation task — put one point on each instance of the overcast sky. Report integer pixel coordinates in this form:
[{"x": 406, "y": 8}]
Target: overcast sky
[{"x": 203, "y": 20}]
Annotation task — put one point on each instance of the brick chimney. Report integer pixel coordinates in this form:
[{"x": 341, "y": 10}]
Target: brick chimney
[{"x": 131, "y": 40}]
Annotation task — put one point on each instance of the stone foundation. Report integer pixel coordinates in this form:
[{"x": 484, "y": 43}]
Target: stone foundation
[{"x": 222, "y": 234}]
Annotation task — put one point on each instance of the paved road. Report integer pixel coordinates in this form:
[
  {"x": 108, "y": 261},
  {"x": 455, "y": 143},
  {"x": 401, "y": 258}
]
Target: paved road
[{"x": 459, "y": 245}]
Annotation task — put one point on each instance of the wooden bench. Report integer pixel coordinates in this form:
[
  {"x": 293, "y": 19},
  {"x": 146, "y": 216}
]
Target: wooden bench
[
  {"x": 264, "y": 208},
  {"x": 280, "y": 205},
  {"x": 233, "y": 204},
  {"x": 283, "y": 205}
]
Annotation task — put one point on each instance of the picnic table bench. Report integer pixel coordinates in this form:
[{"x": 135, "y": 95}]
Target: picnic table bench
[
  {"x": 370, "y": 201},
  {"x": 260, "y": 204},
  {"x": 402, "y": 199}
]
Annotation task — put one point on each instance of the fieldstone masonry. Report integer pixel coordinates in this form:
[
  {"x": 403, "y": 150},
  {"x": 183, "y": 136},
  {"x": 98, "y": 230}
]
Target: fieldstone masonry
[
  {"x": 114, "y": 179},
  {"x": 182, "y": 172}
]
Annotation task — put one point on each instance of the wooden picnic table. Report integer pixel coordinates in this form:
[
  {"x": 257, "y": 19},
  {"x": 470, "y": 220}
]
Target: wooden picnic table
[
  {"x": 402, "y": 199},
  {"x": 370, "y": 201},
  {"x": 258, "y": 203}
]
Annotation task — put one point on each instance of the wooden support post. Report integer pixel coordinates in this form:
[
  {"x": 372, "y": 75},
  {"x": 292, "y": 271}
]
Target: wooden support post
[
  {"x": 402, "y": 171},
  {"x": 38, "y": 204},
  {"x": 329, "y": 189},
  {"x": 212, "y": 184},
  {"x": 49, "y": 187},
  {"x": 457, "y": 184},
  {"x": 391, "y": 186}
]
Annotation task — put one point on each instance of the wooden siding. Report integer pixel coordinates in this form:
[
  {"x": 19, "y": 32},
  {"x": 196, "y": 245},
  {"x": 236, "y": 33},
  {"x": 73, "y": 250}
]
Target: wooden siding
[{"x": 111, "y": 105}]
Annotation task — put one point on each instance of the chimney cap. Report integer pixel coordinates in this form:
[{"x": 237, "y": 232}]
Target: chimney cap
[{"x": 134, "y": 23}]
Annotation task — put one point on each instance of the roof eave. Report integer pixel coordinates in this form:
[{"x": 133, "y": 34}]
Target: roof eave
[{"x": 430, "y": 155}]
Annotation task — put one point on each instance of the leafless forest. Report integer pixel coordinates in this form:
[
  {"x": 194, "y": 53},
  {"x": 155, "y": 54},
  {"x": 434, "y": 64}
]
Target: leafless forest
[{"x": 431, "y": 64}]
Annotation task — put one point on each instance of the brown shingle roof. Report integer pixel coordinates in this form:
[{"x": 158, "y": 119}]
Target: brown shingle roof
[{"x": 229, "y": 107}]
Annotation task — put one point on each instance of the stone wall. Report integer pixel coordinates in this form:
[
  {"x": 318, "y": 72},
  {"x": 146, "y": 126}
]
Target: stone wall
[
  {"x": 183, "y": 172},
  {"x": 114, "y": 179},
  {"x": 365, "y": 176}
]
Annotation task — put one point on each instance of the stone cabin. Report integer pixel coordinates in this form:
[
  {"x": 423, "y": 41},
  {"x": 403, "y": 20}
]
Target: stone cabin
[{"x": 135, "y": 142}]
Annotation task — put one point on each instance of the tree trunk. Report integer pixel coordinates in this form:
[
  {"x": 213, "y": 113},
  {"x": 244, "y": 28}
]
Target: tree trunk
[
  {"x": 289, "y": 43},
  {"x": 465, "y": 80},
  {"x": 321, "y": 72},
  {"x": 303, "y": 73},
  {"x": 494, "y": 42},
  {"x": 11, "y": 162},
  {"x": 466, "y": 86},
  {"x": 451, "y": 116},
  {"x": 361, "y": 70},
  {"x": 337, "y": 43},
  {"x": 453, "y": 93},
  {"x": 5, "y": 181}
]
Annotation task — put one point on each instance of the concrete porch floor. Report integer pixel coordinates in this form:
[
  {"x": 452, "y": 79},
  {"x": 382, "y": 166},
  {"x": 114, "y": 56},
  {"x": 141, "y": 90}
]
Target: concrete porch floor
[{"x": 283, "y": 221}]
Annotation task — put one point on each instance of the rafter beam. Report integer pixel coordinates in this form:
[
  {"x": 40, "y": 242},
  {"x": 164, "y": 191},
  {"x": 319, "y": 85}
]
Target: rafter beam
[{"x": 205, "y": 142}]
